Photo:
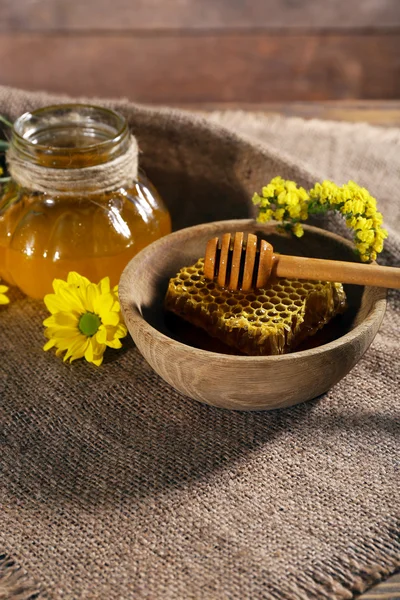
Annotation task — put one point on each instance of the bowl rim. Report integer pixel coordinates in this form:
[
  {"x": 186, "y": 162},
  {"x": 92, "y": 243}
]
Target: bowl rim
[{"x": 377, "y": 312}]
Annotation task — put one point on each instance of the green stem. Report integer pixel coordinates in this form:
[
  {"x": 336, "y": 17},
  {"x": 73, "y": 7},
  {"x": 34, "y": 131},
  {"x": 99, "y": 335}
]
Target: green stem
[{"x": 6, "y": 121}]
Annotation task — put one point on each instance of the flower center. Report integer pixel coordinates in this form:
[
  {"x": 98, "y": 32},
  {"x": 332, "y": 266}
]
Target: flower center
[{"x": 89, "y": 324}]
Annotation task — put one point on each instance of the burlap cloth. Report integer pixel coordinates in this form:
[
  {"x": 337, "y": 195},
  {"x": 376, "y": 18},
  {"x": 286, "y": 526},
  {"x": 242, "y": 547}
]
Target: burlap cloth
[{"x": 115, "y": 486}]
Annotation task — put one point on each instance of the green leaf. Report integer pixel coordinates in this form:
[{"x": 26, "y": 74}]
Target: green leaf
[
  {"x": 3, "y": 145},
  {"x": 5, "y": 121}
]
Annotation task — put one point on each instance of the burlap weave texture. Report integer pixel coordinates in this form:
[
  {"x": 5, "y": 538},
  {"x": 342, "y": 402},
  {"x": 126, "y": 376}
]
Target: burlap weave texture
[{"x": 115, "y": 486}]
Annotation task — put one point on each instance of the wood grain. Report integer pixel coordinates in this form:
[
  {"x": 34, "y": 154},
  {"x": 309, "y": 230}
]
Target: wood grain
[
  {"x": 387, "y": 590},
  {"x": 376, "y": 112},
  {"x": 239, "y": 382},
  {"x": 137, "y": 15},
  {"x": 282, "y": 265},
  {"x": 209, "y": 68}
]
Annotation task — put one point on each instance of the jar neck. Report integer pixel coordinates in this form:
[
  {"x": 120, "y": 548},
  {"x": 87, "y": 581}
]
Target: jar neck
[{"x": 71, "y": 136}]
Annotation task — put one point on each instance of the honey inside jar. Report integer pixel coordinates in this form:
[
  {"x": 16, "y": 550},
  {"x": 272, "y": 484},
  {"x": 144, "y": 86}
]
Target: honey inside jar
[{"x": 46, "y": 234}]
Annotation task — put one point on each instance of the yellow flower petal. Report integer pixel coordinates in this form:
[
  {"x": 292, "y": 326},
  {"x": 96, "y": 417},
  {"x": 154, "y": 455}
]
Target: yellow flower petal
[
  {"x": 77, "y": 349},
  {"x": 97, "y": 361},
  {"x": 64, "y": 332},
  {"x": 63, "y": 319},
  {"x": 121, "y": 331},
  {"x": 94, "y": 351},
  {"x": 59, "y": 284},
  {"x": 75, "y": 279},
  {"x": 104, "y": 285},
  {"x": 50, "y": 344},
  {"x": 114, "y": 344},
  {"x": 63, "y": 301},
  {"x": 92, "y": 296},
  {"x": 110, "y": 318},
  {"x": 103, "y": 304},
  {"x": 101, "y": 335}
]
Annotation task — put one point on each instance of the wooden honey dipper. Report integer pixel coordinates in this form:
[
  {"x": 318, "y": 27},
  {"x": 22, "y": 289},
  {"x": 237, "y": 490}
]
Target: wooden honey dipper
[{"x": 237, "y": 264}]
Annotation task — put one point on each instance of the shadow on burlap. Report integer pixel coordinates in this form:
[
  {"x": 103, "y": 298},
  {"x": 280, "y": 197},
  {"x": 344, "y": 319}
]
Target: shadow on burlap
[{"x": 116, "y": 486}]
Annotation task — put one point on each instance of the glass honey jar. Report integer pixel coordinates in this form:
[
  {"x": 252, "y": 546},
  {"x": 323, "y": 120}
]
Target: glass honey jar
[{"x": 76, "y": 200}]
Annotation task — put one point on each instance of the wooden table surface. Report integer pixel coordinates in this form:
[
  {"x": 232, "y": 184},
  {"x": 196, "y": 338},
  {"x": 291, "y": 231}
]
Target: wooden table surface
[
  {"x": 382, "y": 113},
  {"x": 171, "y": 51}
]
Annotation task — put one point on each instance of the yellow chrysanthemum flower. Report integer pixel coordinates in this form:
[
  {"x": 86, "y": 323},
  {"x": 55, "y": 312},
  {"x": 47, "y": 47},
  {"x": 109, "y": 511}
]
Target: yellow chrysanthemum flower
[
  {"x": 3, "y": 298},
  {"x": 85, "y": 318}
]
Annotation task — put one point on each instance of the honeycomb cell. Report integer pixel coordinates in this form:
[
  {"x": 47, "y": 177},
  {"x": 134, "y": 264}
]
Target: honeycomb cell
[
  {"x": 227, "y": 316},
  {"x": 268, "y": 321},
  {"x": 267, "y": 305}
]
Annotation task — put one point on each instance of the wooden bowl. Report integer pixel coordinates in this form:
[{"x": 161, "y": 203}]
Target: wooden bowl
[{"x": 243, "y": 382}]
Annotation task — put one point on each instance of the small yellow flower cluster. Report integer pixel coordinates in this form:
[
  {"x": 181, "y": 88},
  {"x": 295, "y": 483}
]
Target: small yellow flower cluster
[
  {"x": 283, "y": 201},
  {"x": 85, "y": 318}
]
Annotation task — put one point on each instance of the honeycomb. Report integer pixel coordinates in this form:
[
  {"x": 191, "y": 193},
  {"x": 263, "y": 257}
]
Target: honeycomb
[{"x": 266, "y": 321}]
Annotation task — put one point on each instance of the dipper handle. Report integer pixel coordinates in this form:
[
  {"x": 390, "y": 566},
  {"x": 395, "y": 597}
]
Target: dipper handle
[{"x": 237, "y": 263}]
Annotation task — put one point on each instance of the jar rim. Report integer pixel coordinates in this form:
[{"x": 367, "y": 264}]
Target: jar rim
[{"x": 69, "y": 108}]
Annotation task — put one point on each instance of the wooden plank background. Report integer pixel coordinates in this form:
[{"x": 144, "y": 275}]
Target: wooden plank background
[{"x": 187, "y": 52}]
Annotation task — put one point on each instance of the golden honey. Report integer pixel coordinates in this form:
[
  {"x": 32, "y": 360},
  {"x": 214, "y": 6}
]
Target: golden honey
[
  {"x": 269, "y": 321},
  {"x": 44, "y": 235}
]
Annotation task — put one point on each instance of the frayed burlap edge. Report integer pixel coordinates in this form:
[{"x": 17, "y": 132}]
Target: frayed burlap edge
[{"x": 16, "y": 583}]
